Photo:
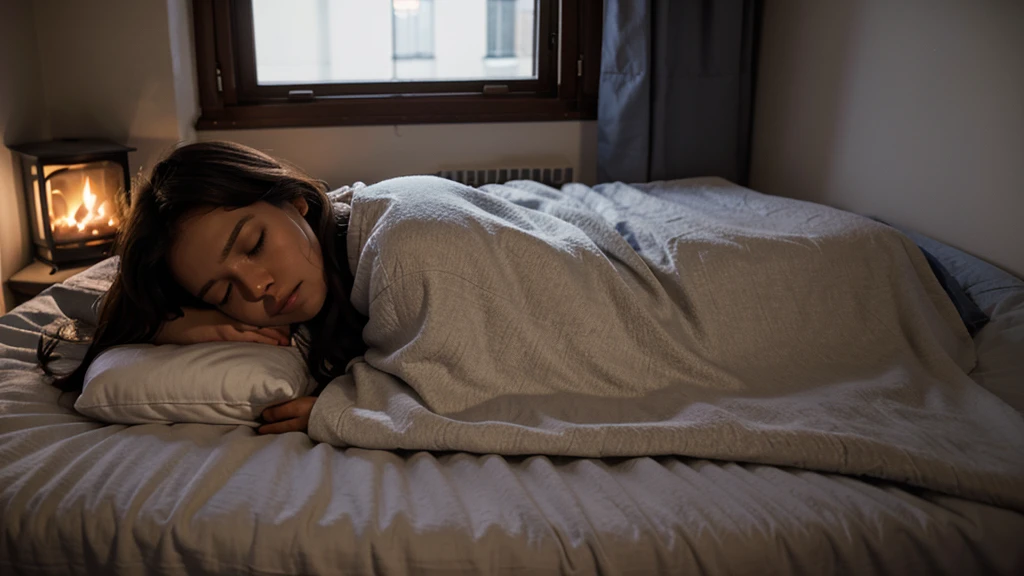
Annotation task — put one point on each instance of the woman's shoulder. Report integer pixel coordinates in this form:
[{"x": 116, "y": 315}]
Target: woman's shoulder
[
  {"x": 417, "y": 222},
  {"x": 344, "y": 194},
  {"x": 415, "y": 201},
  {"x": 408, "y": 189}
]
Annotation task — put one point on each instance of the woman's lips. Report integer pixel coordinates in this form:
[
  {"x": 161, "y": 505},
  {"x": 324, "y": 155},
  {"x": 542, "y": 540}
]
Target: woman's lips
[{"x": 291, "y": 303}]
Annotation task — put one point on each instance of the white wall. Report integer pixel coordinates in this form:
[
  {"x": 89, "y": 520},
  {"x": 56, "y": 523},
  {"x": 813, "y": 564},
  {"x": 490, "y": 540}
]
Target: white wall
[
  {"x": 21, "y": 120},
  {"x": 372, "y": 153},
  {"x": 909, "y": 110},
  {"x": 183, "y": 67}
]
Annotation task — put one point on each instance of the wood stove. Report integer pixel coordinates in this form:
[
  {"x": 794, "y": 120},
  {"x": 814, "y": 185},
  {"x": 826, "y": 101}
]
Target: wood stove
[{"x": 76, "y": 191}]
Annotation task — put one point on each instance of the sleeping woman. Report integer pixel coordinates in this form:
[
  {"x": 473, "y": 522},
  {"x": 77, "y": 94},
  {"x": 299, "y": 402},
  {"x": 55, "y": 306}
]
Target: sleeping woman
[
  {"x": 467, "y": 305},
  {"x": 224, "y": 243}
]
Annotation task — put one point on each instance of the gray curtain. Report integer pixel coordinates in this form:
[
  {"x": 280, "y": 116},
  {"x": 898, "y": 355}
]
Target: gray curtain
[{"x": 676, "y": 89}]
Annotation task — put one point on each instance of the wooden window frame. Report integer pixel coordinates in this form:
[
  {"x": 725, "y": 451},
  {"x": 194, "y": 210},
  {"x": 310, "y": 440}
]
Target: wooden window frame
[{"x": 230, "y": 98}]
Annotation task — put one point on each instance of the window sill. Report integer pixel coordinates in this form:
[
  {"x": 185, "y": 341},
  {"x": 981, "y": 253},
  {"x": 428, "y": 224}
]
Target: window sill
[{"x": 397, "y": 109}]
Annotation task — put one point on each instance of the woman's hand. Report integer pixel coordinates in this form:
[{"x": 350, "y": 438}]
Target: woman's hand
[
  {"x": 292, "y": 416},
  {"x": 198, "y": 326}
]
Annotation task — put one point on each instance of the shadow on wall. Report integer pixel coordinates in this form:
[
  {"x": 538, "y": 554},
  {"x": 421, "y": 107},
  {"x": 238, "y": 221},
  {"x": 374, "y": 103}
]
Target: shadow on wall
[
  {"x": 21, "y": 120},
  {"x": 588, "y": 153},
  {"x": 149, "y": 152},
  {"x": 128, "y": 120},
  {"x": 108, "y": 73},
  {"x": 909, "y": 111},
  {"x": 801, "y": 164}
]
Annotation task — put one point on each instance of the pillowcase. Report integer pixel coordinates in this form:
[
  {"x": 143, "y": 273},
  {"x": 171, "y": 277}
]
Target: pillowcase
[{"x": 213, "y": 383}]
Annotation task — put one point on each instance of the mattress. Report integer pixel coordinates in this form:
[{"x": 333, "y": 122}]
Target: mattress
[{"x": 78, "y": 496}]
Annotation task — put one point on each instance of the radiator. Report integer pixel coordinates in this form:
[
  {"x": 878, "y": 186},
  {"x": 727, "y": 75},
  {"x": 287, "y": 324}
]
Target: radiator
[{"x": 480, "y": 176}]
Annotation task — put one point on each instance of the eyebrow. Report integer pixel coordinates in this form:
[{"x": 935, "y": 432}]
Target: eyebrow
[{"x": 227, "y": 250}]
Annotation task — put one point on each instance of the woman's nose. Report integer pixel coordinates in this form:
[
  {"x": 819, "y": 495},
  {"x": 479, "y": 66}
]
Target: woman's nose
[{"x": 255, "y": 283}]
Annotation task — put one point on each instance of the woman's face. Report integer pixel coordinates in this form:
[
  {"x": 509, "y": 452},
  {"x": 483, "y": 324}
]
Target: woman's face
[{"x": 260, "y": 264}]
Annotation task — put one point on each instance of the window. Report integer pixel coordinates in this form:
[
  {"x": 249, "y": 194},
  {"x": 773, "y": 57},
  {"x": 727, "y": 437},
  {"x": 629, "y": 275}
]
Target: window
[
  {"x": 264, "y": 63},
  {"x": 501, "y": 28},
  {"x": 413, "y": 25},
  {"x": 413, "y": 39}
]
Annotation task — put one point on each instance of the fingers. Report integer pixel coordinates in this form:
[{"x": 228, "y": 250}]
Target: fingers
[
  {"x": 279, "y": 412},
  {"x": 231, "y": 333},
  {"x": 291, "y": 409},
  {"x": 282, "y": 336},
  {"x": 293, "y": 425}
]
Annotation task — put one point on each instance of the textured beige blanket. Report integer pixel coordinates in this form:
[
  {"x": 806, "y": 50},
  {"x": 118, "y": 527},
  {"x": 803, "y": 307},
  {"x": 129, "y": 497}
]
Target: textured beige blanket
[{"x": 720, "y": 323}]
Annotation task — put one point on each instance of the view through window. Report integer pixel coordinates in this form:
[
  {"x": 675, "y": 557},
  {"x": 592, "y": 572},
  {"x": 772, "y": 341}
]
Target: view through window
[{"x": 361, "y": 41}]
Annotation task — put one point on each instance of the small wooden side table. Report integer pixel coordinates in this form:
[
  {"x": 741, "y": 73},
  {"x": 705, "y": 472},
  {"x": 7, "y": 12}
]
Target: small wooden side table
[{"x": 36, "y": 277}]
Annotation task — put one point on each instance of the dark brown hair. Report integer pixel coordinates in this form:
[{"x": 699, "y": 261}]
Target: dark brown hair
[{"x": 144, "y": 294}]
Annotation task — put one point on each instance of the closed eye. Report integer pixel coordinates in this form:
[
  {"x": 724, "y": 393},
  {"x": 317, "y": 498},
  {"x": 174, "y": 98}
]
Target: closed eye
[
  {"x": 259, "y": 246},
  {"x": 224, "y": 300}
]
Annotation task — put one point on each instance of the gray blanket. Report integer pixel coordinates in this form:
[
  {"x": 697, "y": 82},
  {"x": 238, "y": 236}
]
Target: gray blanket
[{"x": 725, "y": 324}]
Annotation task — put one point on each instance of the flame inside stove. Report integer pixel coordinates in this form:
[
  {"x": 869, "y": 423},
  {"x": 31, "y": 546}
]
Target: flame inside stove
[{"x": 85, "y": 219}]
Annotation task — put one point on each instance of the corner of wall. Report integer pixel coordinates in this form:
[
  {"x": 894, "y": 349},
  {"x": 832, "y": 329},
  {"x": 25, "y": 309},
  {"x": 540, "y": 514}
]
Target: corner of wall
[
  {"x": 186, "y": 93},
  {"x": 21, "y": 120}
]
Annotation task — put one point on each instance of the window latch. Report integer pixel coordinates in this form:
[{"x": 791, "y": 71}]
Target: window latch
[
  {"x": 492, "y": 89},
  {"x": 301, "y": 96}
]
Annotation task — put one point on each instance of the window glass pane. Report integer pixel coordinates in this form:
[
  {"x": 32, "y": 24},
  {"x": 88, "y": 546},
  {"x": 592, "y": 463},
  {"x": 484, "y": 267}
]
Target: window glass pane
[
  {"x": 501, "y": 28},
  {"x": 339, "y": 41},
  {"x": 414, "y": 29}
]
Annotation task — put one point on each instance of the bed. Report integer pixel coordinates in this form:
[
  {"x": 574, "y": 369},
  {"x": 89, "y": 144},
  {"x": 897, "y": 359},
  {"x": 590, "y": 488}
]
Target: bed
[{"x": 78, "y": 496}]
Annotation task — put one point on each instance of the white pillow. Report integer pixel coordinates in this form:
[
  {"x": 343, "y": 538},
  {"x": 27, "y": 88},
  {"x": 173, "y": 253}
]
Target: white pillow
[{"x": 214, "y": 383}]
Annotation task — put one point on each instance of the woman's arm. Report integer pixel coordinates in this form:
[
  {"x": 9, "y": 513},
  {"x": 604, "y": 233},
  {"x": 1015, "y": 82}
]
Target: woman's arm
[{"x": 198, "y": 326}]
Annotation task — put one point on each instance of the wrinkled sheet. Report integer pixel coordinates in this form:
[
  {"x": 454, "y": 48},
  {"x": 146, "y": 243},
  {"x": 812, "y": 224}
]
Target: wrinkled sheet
[
  {"x": 78, "y": 496},
  {"x": 723, "y": 324}
]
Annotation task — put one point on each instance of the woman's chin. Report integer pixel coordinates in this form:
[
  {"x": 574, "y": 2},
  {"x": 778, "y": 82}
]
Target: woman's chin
[{"x": 312, "y": 306}]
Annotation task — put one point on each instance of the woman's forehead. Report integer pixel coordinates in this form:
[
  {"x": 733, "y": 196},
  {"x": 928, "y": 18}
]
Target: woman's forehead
[
  {"x": 218, "y": 220},
  {"x": 200, "y": 239},
  {"x": 206, "y": 224}
]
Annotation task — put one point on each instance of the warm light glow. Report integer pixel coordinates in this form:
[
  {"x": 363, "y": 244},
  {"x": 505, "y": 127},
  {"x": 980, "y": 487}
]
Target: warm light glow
[
  {"x": 88, "y": 197},
  {"x": 89, "y": 217}
]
